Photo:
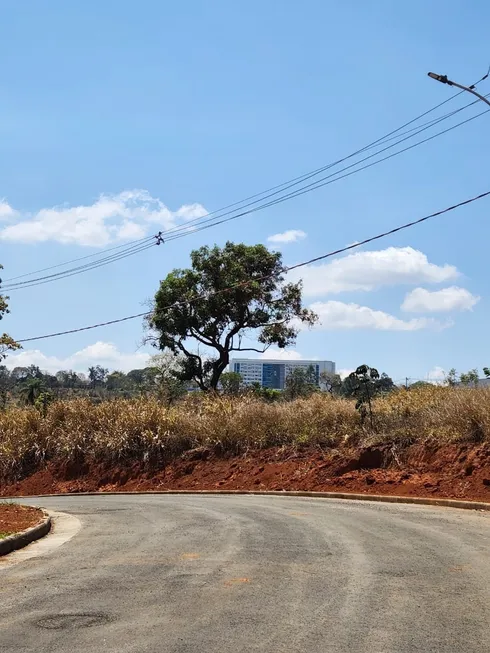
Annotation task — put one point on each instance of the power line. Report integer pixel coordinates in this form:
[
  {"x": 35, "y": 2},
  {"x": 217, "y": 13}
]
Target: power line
[
  {"x": 391, "y": 231},
  {"x": 83, "y": 268},
  {"x": 296, "y": 180},
  {"x": 80, "y": 267},
  {"x": 180, "y": 231},
  {"x": 317, "y": 171},
  {"x": 188, "y": 229},
  {"x": 144, "y": 244},
  {"x": 81, "y": 258},
  {"x": 75, "y": 271},
  {"x": 285, "y": 270}
]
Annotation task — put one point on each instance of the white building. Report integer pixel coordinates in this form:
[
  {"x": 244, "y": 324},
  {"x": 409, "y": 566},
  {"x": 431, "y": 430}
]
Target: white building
[{"x": 272, "y": 373}]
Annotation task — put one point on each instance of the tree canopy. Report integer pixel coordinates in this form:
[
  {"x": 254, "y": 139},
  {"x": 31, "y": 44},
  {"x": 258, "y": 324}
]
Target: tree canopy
[
  {"x": 7, "y": 343},
  {"x": 300, "y": 382},
  {"x": 97, "y": 375},
  {"x": 226, "y": 294}
]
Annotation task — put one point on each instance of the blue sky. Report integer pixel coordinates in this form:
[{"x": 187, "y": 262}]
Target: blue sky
[{"x": 115, "y": 115}]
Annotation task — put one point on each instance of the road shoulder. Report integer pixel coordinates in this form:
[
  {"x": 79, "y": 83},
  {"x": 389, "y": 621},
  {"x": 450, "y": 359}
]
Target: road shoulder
[{"x": 14, "y": 516}]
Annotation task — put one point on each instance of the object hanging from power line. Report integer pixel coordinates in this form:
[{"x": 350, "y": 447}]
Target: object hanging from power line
[{"x": 205, "y": 295}]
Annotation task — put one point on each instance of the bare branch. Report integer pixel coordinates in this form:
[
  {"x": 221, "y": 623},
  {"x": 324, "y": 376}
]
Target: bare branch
[
  {"x": 260, "y": 351},
  {"x": 202, "y": 339},
  {"x": 189, "y": 353},
  {"x": 237, "y": 327}
]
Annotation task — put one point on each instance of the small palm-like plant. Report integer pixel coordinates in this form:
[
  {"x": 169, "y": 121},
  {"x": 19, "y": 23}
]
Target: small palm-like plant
[
  {"x": 31, "y": 390},
  {"x": 363, "y": 386}
]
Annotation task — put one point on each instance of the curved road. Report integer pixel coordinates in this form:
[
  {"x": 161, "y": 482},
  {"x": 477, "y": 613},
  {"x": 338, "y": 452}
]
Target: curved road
[{"x": 204, "y": 574}]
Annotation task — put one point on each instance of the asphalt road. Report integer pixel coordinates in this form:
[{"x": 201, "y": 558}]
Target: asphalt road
[{"x": 189, "y": 574}]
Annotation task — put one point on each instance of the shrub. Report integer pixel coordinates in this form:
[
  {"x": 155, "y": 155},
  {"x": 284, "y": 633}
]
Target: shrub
[{"x": 144, "y": 429}]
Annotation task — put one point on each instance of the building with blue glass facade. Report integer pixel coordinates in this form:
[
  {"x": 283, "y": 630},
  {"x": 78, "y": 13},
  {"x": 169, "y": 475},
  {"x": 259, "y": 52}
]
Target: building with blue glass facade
[{"x": 271, "y": 373}]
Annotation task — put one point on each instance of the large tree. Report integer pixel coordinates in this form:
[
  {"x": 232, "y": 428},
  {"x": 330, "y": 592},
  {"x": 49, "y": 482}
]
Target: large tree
[
  {"x": 97, "y": 375},
  {"x": 300, "y": 382},
  {"x": 6, "y": 342},
  {"x": 227, "y": 293}
]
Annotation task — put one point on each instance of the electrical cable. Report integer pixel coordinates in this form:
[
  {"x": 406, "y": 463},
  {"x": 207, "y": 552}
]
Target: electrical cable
[
  {"x": 309, "y": 175},
  {"x": 314, "y": 186},
  {"x": 75, "y": 271},
  {"x": 284, "y": 186},
  {"x": 286, "y": 269},
  {"x": 81, "y": 258},
  {"x": 129, "y": 251},
  {"x": 79, "y": 269},
  {"x": 169, "y": 233}
]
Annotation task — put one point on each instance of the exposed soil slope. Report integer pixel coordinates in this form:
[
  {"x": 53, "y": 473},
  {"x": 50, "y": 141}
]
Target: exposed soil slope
[
  {"x": 15, "y": 518},
  {"x": 456, "y": 471}
]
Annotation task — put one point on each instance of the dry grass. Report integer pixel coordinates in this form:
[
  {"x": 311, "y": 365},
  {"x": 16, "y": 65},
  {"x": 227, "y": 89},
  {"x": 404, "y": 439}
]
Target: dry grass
[{"x": 144, "y": 429}]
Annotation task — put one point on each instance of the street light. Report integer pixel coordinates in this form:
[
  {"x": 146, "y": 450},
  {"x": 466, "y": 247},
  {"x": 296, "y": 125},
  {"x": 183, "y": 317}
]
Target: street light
[{"x": 471, "y": 89}]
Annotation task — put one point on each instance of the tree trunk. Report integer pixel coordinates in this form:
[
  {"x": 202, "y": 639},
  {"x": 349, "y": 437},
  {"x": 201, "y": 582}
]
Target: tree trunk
[{"x": 218, "y": 368}]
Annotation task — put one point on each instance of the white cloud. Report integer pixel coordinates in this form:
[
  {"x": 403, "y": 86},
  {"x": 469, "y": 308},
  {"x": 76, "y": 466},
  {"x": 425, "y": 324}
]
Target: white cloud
[
  {"x": 421, "y": 300},
  {"x": 6, "y": 211},
  {"x": 367, "y": 271},
  {"x": 338, "y": 315},
  {"x": 111, "y": 218},
  {"x": 437, "y": 374},
  {"x": 282, "y": 354},
  {"x": 290, "y": 236},
  {"x": 100, "y": 353},
  {"x": 191, "y": 211}
]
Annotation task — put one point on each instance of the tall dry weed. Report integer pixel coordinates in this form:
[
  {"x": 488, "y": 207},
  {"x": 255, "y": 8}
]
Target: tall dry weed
[{"x": 146, "y": 430}]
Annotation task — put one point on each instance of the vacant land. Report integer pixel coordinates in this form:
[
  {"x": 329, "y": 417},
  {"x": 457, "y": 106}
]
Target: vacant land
[
  {"x": 429, "y": 441},
  {"x": 15, "y": 518}
]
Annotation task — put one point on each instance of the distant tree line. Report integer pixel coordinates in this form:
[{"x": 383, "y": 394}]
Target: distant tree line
[
  {"x": 163, "y": 377},
  {"x": 302, "y": 382},
  {"x": 28, "y": 385}
]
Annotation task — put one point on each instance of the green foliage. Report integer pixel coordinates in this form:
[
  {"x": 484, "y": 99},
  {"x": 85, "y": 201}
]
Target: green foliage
[
  {"x": 118, "y": 381},
  {"x": 384, "y": 384},
  {"x": 486, "y": 372},
  {"x": 231, "y": 383},
  {"x": 136, "y": 377},
  {"x": 171, "y": 389},
  {"x": 451, "y": 378},
  {"x": 300, "y": 382},
  {"x": 166, "y": 374},
  {"x": 229, "y": 292},
  {"x": 97, "y": 375},
  {"x": 331, "y": 382},
  {"x": 362, "y": 386},
  {"x": 66, "y": 384},
  {"x": 43, "y": 401},
  {"x": 4, "y": 386},
  {"x": 7, "y": 343},
  {"x": 31, "y": 390},
  {"x": 267, "y": 394},
  {"x": 69, "y": 379},
  {"x": 469, "y": 378},
  {"x": 419, "y": 384}
]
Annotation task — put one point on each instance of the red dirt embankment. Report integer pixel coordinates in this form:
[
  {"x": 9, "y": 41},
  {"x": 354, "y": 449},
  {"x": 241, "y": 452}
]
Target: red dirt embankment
[
  {"x": 15, "y": 518},
  {"x": 453, "y": 471}
]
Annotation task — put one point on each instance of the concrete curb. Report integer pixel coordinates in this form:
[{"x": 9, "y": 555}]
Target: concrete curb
[
  {"x": 422, "y": 501},
  {"x": 22, "y": 539}
]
